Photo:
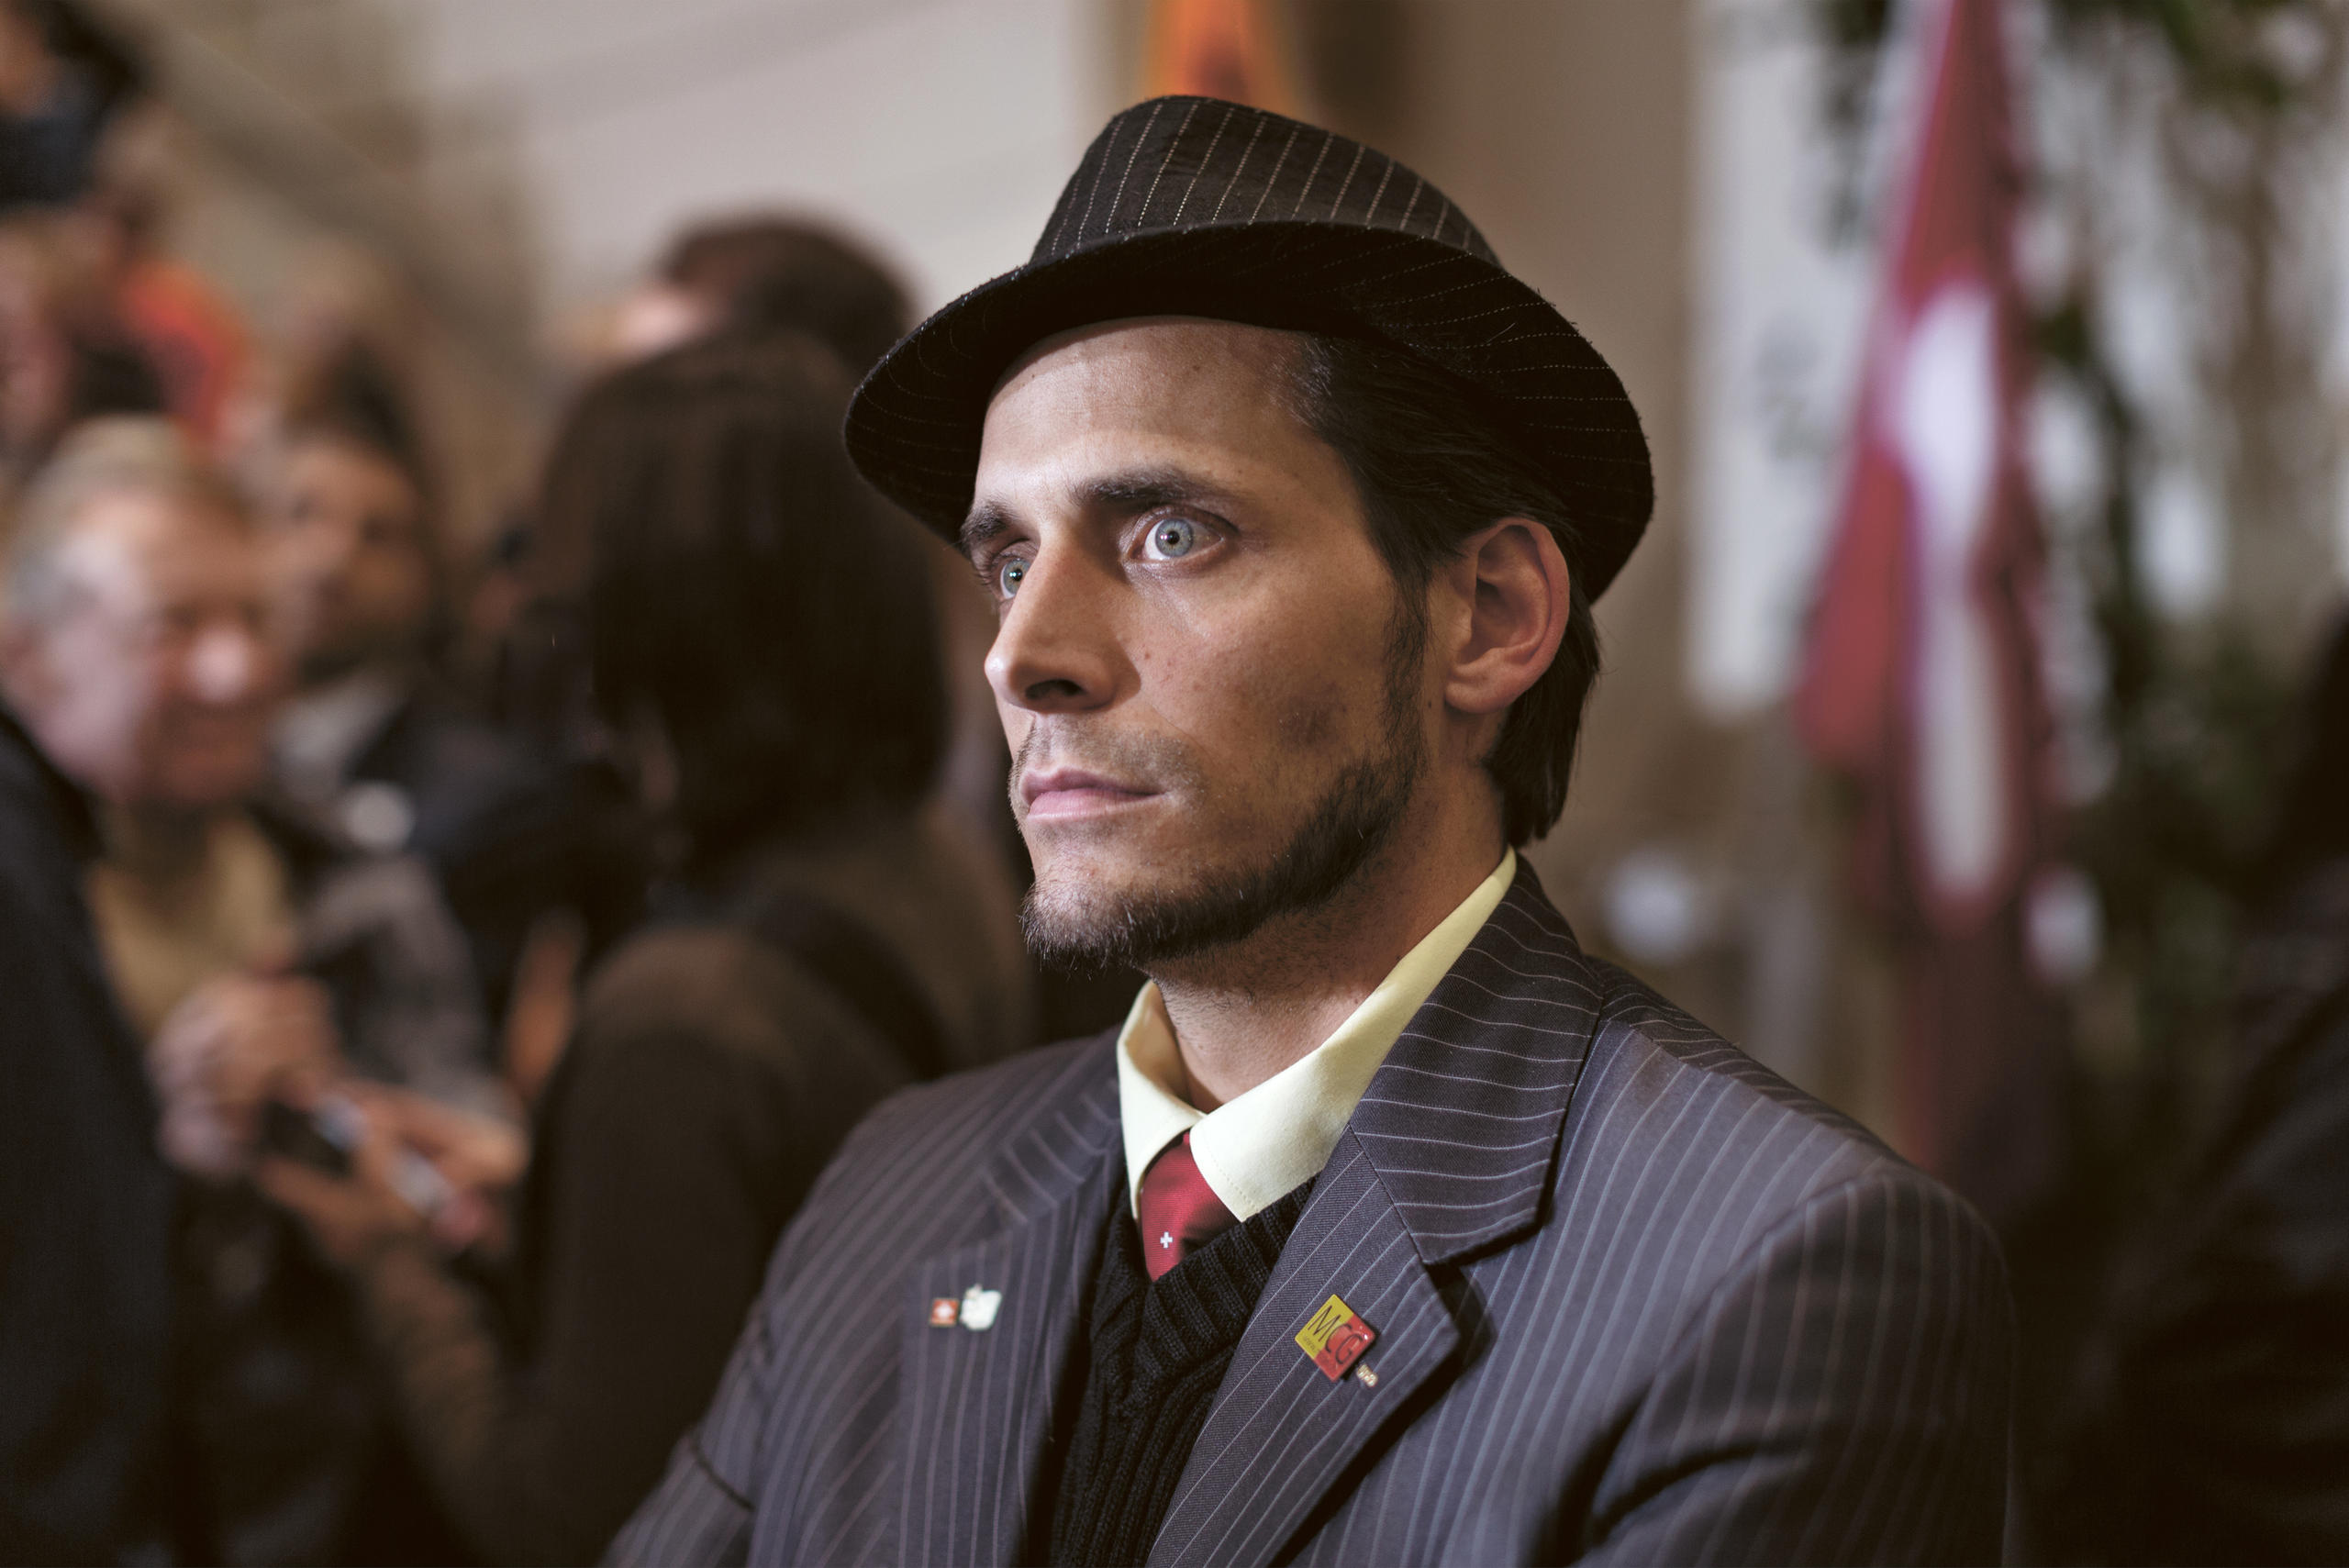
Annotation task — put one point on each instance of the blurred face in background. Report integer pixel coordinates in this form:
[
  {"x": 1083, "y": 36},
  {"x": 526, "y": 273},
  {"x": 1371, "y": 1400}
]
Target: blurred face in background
[
  {"x": 150, "y": 678},
  {"x": 350, "y": 570}
]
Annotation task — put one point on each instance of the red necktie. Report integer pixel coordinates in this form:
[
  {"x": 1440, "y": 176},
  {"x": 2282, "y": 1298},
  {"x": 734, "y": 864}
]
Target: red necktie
[{"x": 1176, "y": 1209}]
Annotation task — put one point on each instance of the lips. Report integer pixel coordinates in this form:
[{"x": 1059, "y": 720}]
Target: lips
[{"x": 1060, "y": 793}]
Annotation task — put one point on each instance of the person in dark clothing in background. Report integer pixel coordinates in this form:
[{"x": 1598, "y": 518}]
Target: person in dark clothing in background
[
  {"x": 65, "y": 77},
  {"x": 2210, "y": 1423},
  {"x": 827, "y": 937},
  {"x": 373, "y": 741},
  {"x": 776, "y": 272},
  {"x": 356, "y": 569},
  {"x": 85, "y": 1203},
  {"x": 65, "y": 354}
]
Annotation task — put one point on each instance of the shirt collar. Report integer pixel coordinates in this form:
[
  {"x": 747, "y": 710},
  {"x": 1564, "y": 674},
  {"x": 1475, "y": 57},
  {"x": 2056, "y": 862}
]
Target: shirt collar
[
  {"x": 321, "y": 734},
  {"x": 1255, "y": 1148}
]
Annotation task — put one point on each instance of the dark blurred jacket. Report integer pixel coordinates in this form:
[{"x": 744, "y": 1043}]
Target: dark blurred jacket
[
  {"x": 2213, "y": 1422},
  {"x": 47, "y": 157},
  {"x": 711, "y": 1076},
  {"x": 85, "y": 1202}
]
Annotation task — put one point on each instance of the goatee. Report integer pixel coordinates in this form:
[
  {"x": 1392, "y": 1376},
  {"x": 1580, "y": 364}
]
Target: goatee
[{"x": 1351, "y": 822}]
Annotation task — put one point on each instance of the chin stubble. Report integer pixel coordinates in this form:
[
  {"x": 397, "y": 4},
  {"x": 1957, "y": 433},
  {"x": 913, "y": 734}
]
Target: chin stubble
[{"x": 1353, "y": 820}]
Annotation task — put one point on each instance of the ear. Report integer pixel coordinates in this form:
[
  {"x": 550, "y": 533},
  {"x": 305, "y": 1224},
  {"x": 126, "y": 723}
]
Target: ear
[{"x": 1513, "y": 578}]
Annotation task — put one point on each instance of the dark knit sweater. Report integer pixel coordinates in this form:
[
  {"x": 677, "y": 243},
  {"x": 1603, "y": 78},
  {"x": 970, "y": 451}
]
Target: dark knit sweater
[{"x": 1152, "y": 1359}]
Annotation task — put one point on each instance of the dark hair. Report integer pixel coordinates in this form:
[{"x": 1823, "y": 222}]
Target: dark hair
[
  {"x": 1434, "y": 466},
  {"x": 782, "y": 274},
  {"x": 117, "y": 68},
  {"x": 745, "y": 587},
  {"x": 354, "y": 396}
]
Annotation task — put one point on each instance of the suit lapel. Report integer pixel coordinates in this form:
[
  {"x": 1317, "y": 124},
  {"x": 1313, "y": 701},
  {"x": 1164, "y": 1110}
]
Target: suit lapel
[
  {"x": 975, "y": 1404},
  {"x": 1281, "y": 1433},
  {"x": 1450, "y": 1152}
]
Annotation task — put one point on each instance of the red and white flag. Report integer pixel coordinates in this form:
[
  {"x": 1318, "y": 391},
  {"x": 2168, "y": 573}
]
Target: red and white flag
[{"x": 1921, "y": 674}]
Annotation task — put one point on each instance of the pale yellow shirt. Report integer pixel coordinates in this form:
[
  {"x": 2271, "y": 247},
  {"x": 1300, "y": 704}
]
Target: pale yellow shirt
[
  {"x": 164, "y": 935},
  {"x": 1255, "y": 1148}
]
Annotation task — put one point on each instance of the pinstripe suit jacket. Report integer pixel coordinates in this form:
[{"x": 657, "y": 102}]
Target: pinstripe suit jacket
[{"x": 1637, "y": 1300}]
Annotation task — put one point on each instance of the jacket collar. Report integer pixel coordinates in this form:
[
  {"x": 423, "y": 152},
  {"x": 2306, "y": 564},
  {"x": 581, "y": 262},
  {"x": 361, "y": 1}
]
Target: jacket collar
[
  {"x": 68, "y": 803},
  {"x": 1504, "y": 1035},
  {"x": 1485, "y": 1071}
]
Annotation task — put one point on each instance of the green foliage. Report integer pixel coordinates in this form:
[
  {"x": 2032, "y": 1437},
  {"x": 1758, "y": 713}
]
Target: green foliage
[
  {"x": 2233, "y": 54},
  {"x": 1855, "y": 31},
  {"x": 2195, "y": 719}
]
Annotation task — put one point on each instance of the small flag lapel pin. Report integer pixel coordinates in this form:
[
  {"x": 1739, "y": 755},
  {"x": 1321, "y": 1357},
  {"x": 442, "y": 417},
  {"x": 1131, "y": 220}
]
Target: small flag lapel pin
[
  {"x": 979, "y": 1307},
  {"x": 943, "y": 1311},
  {"x": 1335, "y": 1337}
]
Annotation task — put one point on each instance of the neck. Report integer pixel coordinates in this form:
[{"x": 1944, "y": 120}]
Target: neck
[
  {"x": 159, "y": 844},
  {"x": 1243, "y": 1012}
]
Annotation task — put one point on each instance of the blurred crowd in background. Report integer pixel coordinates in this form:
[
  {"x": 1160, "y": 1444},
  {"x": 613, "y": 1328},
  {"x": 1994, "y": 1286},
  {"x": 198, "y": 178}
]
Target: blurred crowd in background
[
  {"x": 505, "y": 927},
  {"x": 517, "y": 846}
]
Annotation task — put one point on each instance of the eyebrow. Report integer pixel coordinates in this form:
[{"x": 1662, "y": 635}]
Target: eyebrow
[
  {"x": 1140, "y": 489},
  {"x": 986, "y": 520},
  {"x": 1121, "y": 494}
]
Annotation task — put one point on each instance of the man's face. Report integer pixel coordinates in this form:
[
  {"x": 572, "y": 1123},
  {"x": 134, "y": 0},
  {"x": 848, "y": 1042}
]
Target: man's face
[
  {"x": 347, "y": 561},
  {"x": 1212, "y": 688},
  {"x": 152, "y": 681}
]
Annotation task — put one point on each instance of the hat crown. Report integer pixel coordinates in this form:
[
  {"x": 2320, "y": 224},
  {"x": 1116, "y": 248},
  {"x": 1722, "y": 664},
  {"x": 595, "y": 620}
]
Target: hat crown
[
  {"x": 1195, "y": 164},
  {"x": 1195, "y": 207}
]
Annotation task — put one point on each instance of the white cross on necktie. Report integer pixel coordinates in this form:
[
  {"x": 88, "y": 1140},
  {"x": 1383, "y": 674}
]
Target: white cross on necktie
[{"x": 1166, "y": 1239}]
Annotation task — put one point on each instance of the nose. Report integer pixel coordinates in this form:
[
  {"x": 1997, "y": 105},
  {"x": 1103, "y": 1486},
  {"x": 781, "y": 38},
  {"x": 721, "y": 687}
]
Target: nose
[
  {"x": 1057, "y": 649},
  {"x": 226, "y": 663}
]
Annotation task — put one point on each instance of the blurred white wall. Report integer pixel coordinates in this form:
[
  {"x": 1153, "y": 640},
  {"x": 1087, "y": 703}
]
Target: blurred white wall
[
  {"x": 943, "y": 128},
  {"x": 1780, "y": 309},
  {"x": 516, "y": 164}
]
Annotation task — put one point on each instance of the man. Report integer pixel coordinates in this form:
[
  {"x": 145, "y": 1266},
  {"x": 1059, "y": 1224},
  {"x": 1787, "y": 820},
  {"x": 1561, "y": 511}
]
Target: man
[
  {"x": 139, "y": 653},
  {"x": 372, "y": 740},
  {"x": 251, "y": 954},
  {"x": 355, "y": 577},
  {"x": 1390, "y": 1227}
]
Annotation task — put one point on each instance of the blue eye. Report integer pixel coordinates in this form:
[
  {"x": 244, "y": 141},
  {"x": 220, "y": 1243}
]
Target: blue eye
[
  {"x": 1174, "y": 536},
  {"x": 1010, "y": 576}
]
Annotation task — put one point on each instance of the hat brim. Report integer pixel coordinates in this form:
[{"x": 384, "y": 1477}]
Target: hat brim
[{"x": 914, "y": 426}]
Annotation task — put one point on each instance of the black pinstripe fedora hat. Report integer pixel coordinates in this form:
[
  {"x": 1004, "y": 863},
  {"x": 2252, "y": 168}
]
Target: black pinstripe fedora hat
[{"x": 1193, "y": 206}]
